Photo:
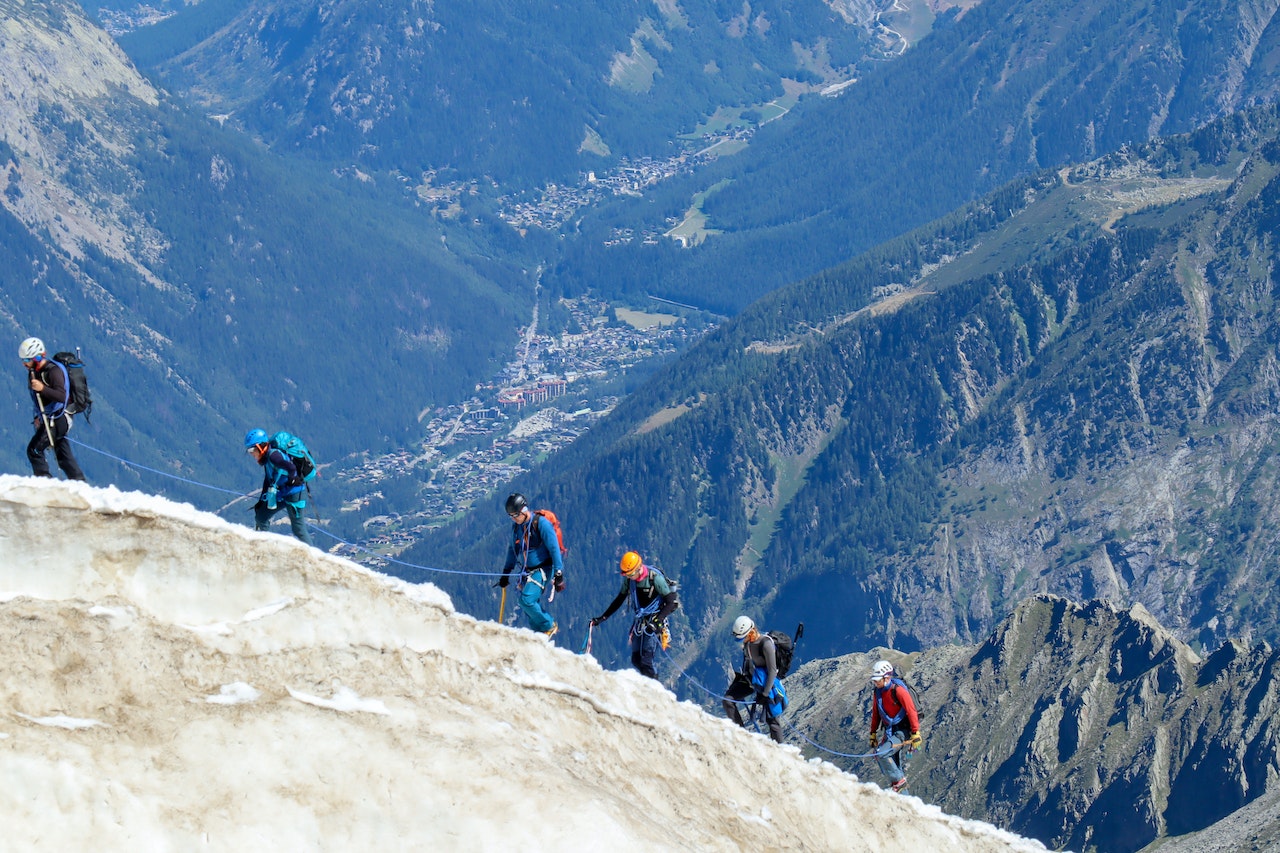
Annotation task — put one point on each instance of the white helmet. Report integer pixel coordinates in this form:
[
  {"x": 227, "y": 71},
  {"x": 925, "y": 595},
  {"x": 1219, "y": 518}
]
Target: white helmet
[
  {"x": 742, "y": 626},
  {"x": 881, "y": 669},
  {"x": 30, "y": 348}
]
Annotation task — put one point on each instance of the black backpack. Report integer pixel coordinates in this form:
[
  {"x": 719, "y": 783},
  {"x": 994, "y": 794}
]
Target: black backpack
[
  {"x": 784, "y": 647},
  {"x": 78, "y": 397}
]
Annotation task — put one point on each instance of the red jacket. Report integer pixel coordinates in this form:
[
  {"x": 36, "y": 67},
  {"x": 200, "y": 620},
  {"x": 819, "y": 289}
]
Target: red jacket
[{"x": 897, "y": 708}]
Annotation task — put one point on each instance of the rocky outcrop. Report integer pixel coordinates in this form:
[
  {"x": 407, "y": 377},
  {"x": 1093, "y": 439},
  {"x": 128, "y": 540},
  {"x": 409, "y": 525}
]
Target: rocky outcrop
[{"x": 1083, "y": 725}]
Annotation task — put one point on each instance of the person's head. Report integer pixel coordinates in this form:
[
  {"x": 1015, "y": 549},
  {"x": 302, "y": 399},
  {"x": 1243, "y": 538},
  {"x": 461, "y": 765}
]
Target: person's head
[
  {"x": 31, "y": 351},
  {"x": 881, "y": 672},
  {"x": 633, "y": 567},
  {"x": 517, "y": 507},
  {"x": 744, "y": 629},
  {"x": 256, "y": 442}
]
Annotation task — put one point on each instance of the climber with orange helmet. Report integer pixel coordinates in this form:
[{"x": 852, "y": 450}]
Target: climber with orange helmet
[{"x": 653, "y": 599}]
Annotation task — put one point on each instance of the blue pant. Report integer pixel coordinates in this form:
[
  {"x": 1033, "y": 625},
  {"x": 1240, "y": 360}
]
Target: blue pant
[
  {"x": 894, "y": 764},
  {"x": 531, "y": 601},
  {"x": 262, "y": 518},
  {"x": 644, "y": 648}
]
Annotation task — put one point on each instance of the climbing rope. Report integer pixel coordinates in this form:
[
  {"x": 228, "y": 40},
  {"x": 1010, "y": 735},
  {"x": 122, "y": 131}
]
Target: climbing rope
[
  {"x": 790, "y": 728},
  {"x": 586, "y": 646},
  {"x": 313, "y": 527}
]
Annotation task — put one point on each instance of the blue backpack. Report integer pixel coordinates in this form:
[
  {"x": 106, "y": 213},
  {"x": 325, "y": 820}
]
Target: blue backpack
[{"x": 296, "y": 450}]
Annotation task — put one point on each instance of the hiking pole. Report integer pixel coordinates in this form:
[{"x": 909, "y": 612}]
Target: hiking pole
[
  {"x": 48, "y": 430},
  {"x": 502, "y": 605},
  {"x": 44, "y": 417}
]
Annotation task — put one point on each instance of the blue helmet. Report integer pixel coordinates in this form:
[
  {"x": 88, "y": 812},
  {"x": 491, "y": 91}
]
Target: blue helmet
[{"x": 255, "y": 437}]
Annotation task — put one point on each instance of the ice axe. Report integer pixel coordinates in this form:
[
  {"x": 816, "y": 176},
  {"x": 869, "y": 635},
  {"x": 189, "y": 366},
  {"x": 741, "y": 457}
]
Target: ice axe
[{"x": 44, "y": 417}]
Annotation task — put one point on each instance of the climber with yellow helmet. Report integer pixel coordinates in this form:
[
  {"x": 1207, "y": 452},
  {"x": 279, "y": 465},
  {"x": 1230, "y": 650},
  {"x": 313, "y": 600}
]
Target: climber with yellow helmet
[{"x": 653, "y": 599}]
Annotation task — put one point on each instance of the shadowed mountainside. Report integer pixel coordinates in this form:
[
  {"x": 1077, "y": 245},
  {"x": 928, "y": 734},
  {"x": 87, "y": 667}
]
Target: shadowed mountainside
[{"x": 1086, "y": 726}]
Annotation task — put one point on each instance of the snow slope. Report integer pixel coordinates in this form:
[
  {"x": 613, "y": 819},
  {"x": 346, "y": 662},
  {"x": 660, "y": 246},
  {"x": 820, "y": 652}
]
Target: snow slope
[{"x": 171, "y": 681}]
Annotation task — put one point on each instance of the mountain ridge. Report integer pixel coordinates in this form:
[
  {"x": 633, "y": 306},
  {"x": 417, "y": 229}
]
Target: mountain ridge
[
  {"x": 1086, "y": 725},
  {"x": 172, "y": 679}
]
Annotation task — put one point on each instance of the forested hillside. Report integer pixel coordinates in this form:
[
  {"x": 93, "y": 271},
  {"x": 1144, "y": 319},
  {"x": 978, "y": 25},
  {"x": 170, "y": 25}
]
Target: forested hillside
[
  {"x": 1034, "y": 399},
  {"x": 519, "y": 94},
  {"x": 212, "y": 286},
  {"x": 997, "y": 90}
]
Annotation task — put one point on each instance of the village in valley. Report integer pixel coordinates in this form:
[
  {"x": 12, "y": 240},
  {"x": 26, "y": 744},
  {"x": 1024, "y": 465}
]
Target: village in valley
[{"x": 555, "y": 389}]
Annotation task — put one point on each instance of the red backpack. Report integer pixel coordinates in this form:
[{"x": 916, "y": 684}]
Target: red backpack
[{"x": 555, "y": 522}]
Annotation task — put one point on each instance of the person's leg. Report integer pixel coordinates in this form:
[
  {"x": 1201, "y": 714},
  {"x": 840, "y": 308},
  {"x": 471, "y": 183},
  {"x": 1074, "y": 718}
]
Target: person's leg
[
  {"x": 740, "y": 690},
  {"x": 35, "y": 452},
  {"x": 775, "y": 726},
  {"x": 644, "y": 648},
  {"x": 298, "y": 521},
  {"x": 62, "y": 449},
  {"x": 886, "y": 757},
  {"x": 262, "y": 516},
  {"x": 531, "y": 602}
]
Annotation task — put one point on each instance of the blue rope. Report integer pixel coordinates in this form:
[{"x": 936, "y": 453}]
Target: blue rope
[
  {"x": 153, "y": 470},
  {"x": 313, "y": 527},
  {"x": 683, "y": 674},
  {"x": 401, "y": 562},
  {"x": 790, "y": 728}
]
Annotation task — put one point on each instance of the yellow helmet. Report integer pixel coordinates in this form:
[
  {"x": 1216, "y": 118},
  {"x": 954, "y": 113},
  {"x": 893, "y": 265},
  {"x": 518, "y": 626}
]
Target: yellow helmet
[{"x": 631, "y": 563}]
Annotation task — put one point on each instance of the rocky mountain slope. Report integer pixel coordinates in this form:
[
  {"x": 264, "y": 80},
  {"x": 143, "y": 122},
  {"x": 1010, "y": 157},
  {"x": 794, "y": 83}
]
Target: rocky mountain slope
[
  {"x": 1067, "y": 387},
  {"x": 1087, "y": 726}
]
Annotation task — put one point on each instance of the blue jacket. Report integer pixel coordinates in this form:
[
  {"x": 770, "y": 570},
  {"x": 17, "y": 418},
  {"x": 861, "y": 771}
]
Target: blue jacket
[
  {"x": 534, "y": 546},
  {"x": 280, "y": 472}
]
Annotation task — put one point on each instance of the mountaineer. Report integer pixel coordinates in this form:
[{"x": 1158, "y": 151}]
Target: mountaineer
[
  {"x": 653, "y": 599},
  {"x": 894, "y": 707},
  {"x": 536, "y": 548}
]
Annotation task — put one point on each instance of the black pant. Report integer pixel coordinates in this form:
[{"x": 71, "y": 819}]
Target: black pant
[
  {"x": 61, "y": 449},
  {"x": 741, "y": 689}
]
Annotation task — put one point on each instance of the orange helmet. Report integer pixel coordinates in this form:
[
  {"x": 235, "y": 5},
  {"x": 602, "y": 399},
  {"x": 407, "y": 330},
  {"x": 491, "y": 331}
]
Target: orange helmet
[{"x": 631, "y": 564}]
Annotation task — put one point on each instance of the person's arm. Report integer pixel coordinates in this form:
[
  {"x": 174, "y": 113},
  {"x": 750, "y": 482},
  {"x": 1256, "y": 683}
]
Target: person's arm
[
  {"x": 875, "y": 712},
  {"x": 285, "y": 471},
  {"x": 53, "y": 389},
  {"x": 613, "y": 605},
  {"x": 511, "y": 553},
  {"x": 669, "y": 600},
  {"x": 769, "y": 651}
]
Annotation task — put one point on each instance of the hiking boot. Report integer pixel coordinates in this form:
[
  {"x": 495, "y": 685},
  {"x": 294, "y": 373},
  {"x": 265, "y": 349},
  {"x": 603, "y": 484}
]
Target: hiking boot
[
  {"x": 553, "y": 630},
  {"x": 899, "y": 785}
]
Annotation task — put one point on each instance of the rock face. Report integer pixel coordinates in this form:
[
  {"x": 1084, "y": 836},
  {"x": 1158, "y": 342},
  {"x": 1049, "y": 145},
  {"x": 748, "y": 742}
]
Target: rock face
[{"x": 1082, "y": 725}]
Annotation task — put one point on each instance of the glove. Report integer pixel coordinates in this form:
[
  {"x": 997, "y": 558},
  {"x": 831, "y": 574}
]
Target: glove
[
  {"x": 762, "y": 700},
  {"x": 875, "y": 741},
  {"x": 599, "y": 620},
  {"x": 271, "y": 498},
  {"x": 503, "y": 581},
  {"x": 558, "y": 582},
  {"x": 915, "y": 741}
]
